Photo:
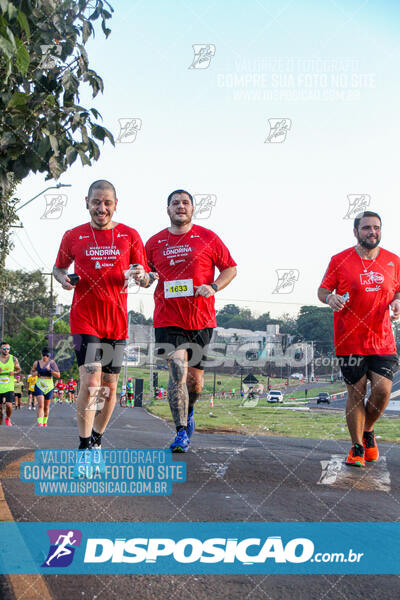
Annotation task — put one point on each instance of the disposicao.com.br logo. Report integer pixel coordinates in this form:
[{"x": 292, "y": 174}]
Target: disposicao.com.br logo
[
  {"x": 201, "y": 547},
  {"x": 190, "y": 550}
]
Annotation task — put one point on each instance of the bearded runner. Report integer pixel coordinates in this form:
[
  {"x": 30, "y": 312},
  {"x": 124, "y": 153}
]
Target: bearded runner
[
  {"x": 185, "y": 256},
  {"x": 361, "y": 285}
]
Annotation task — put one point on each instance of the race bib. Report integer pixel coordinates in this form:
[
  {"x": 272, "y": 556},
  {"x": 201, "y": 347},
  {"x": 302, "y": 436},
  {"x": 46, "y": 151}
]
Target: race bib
[
  {"x": 4, "y": 379},
  {"x": 178, "y": 288},
  {"x": 45, "y": 385}
]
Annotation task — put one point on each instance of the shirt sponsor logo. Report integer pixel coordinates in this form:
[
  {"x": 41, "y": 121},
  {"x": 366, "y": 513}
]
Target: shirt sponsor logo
[
  {"x": 83, "y": 237},
  {"x": 173, "y": 262},
  {"x": 371, "y": 278},
  {"x": 103, "y": 252},
  {"x": 186, "y": 249},
  {"x": 390, "y": 264},
  {"x": 122, "y": 235}
]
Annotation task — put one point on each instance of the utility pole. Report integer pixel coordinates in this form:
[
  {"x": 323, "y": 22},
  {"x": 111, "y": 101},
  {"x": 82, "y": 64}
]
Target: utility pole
[
  {"x": 312, "y": 360},
  {"x": 51, "y": 314},
  {"x": 306, "y": 373},
  {"x": 151, "y": 352},
  {"x": 2, "y": 318}
]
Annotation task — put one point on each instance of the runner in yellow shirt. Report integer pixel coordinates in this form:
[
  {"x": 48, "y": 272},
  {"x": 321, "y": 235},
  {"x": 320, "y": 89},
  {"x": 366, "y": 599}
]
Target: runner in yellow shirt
[{"x": 31, "y": 380}]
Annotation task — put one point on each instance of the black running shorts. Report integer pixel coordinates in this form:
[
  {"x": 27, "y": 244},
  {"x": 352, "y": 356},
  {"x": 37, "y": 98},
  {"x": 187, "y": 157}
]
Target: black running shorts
[
  {"x": 355, "y": 366},
  {"x": 192, "y": 340},
  {"x": 89, "y": 349},
  {"x": 7, "y": 397}
]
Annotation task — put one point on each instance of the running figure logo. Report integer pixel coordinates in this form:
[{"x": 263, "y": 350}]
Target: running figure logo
[
  {"x": 97, "y": 397},
  {"x": 128, "y": 129},
  {"x": 357, "y": 204},
  {"x": 63, "y": 543},
  {"x": 286, "y": 280},
  {"x": 278, "y": 130},
  {"x": 203, "y": 205},
  {"x": 55, "y": 204},
  {"x": 203, "y": 54}
]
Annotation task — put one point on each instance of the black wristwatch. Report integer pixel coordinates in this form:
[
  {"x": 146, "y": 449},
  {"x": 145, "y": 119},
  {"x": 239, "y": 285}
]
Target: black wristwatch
[{"x": 214, "y": 287}]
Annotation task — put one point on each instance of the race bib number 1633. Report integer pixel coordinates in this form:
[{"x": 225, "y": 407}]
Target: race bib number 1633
[{"x": 178, "y": 288}]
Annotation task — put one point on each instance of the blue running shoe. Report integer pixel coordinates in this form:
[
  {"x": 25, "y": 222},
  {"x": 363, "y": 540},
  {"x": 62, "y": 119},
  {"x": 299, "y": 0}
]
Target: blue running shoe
[
  {"x": 191, "y": 424},
  {"x": 181, "y": 443}
]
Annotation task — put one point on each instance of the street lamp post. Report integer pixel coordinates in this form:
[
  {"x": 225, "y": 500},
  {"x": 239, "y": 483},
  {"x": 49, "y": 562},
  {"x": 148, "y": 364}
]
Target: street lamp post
[{"x": 52, "y": 187}]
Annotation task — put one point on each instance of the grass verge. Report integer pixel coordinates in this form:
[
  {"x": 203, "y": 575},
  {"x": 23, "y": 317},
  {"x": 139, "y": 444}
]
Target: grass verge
[{"x": 231, "y": 416}]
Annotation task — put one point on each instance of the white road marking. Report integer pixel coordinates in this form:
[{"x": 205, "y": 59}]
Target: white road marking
[
  {"x": 219, "y": 469},
  {"x": 375, "y": 476},
  {"x": 9, "y": 448}
]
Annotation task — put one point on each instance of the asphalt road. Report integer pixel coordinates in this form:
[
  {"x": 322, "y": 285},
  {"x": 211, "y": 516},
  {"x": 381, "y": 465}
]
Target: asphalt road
[{"x": 229, "y": 478}]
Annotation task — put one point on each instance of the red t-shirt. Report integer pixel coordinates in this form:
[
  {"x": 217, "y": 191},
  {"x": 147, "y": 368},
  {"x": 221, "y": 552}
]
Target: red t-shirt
[
  {"x": 363, "y": 326},
  {"x": 191, "y": 257},
  {"x": 101, "y": 259},
  {"x": 71, "y": 385},
  {"x": 60, "y": 385}
]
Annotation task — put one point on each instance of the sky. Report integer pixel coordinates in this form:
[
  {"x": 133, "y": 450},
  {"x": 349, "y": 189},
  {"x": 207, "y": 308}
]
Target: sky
[{"x": 290, "y": 126}]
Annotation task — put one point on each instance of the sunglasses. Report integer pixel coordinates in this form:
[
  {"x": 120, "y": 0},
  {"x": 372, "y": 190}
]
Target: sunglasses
[{"x": 5, "y": 347}]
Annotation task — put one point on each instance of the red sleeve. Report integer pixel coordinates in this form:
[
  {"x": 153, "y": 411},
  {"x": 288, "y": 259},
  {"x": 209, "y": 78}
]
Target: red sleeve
[
  {"x": 138, "y": 254},
  {"x": 397, "y": 282},
  {"x": 330, "y": 279},
  {"x": 65, "y": 256},
  {"x": 222, "y": 257},
  {"x": 148, "y": 249}
]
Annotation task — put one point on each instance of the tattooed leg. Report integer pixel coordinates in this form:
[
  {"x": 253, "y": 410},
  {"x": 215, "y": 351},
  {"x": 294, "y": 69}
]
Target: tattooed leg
[
  {"x": 90, "y": 377},
  {"x": 109, "y": 382},
  {"x": 195, "y": 383},
  {"x": 177, "y": 390}
]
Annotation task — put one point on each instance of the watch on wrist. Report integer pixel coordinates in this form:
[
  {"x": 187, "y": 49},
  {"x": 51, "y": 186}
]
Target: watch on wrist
[{"x": 214, "y": 287}]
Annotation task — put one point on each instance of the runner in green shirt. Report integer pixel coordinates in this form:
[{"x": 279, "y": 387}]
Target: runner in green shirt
[{"x": 9, "y": 366}]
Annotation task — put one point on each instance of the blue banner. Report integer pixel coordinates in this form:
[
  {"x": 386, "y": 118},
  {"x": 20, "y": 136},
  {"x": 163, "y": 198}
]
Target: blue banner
[{"x": 219, "y": 548}]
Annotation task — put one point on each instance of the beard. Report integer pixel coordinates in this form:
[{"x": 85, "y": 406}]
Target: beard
[
  {"x": 179, "y": 220},
  {"x": 368, "y": 244}
]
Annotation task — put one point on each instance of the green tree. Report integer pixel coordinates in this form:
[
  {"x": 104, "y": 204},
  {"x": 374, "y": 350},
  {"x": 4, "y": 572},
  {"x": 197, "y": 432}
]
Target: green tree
[
  {"x": 43, "y": 63},
  {"x": 25, "y": 295},
  {"x": 30, "y": 339},
  {"x": 316, "y": 323}
]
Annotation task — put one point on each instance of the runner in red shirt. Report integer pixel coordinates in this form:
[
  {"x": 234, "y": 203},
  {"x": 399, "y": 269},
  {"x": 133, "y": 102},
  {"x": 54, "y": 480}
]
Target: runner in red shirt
[
  {"x": 71, "y": 385},
  {"x": 60, "y": 386},
  {"x": 185, "y": 256},
  {"x": 106, "y": 256},
  {"x": 366, "y": 281}
]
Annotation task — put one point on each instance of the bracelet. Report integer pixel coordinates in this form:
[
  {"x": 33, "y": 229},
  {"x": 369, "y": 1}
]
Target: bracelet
[{"x": 327, "y": 298}]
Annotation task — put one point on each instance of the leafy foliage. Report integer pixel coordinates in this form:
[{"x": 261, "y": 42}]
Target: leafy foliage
[
  {"x": 43, "y": 63},
  {"x": 312, "y": 323},
  {"x": 25, "y": 295}
]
